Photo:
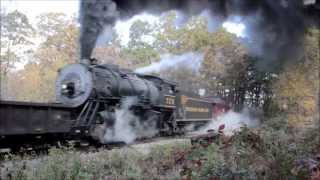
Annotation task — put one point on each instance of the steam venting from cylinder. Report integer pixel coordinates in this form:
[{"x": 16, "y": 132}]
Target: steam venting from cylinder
[
  {"x": 274, "y": 29},
  {"x": 128, "y": 126}
]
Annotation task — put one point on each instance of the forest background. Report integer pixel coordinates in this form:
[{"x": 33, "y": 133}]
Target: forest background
[{"x": 227, "y": 70}]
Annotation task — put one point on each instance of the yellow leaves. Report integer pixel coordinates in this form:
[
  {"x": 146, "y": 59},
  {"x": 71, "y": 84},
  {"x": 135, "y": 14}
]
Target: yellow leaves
[
  {"x": 310, "y": 104},
  {"x": 295, "y": 120},
  {"x": 222, "y": 37},
  {"x": 294, "y": 82},
  {"x": 298, "y": 89},
  {"x": 28, "y": 82},
  {"x": 36, "y": 82},
  {"x": 223, "y": 55}
]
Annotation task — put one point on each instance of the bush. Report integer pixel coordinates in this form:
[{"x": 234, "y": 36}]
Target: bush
[
  {"x": 124, "y": 163},
  {"x": 272, "y": 151}
]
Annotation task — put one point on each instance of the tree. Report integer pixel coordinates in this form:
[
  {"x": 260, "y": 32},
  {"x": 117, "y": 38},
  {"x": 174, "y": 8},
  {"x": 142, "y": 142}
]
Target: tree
[
  {"x": 185, "y": 77},
  {"x": 16, "y": 32},
  {"x": 36, "y": 82},
  {"x": 139, "y": 51},
  {"x": 59, "y": 48},
  {"x": 111, "y": 54},
  {"x": 51, "y": 23},
  {"x": 297, "y": 88},
  {"x": 138, "y": 31},
  {"x": 223, "y": 56},
  {"x": 193, "y": 36}
]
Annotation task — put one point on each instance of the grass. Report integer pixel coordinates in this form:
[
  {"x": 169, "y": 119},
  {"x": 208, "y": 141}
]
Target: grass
[
  {"x": 271, "y": 152},
  {"x": 125, "y": 163}
]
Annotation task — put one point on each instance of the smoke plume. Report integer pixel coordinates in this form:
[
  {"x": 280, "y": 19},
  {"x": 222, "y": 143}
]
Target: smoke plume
[
  {"x": 127, "y": 126},
  {"x": 95, "y": 16},
  {"x": 233, "y": 121},
  {"x": 274, "y": 29},
  {"x": 191, "y": 60}
]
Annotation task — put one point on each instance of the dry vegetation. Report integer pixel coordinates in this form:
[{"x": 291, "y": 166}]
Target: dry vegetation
[{"x": 272, "y": 151}]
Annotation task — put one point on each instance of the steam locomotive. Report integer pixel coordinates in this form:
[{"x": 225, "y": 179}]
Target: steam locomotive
[{"x": 90, "y": 97}]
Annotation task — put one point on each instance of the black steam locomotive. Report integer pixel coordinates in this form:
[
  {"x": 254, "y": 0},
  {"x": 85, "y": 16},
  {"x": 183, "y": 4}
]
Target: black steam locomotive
[{"x": 90, "y": 97}]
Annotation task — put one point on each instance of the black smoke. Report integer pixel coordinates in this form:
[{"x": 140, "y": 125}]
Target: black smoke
[
  {"x": 94, "y": 16},
  {"x": 274, "y": 28}
]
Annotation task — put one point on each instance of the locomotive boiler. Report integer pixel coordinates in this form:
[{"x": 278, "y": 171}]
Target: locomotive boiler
[{"x": 76, "y": 83}]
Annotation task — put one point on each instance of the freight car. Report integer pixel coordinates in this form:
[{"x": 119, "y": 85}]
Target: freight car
[
  {"x": 89, "y": 96},
  {"x": 30, "y": 124}
]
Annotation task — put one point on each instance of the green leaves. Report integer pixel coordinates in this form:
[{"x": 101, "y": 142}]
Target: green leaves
[{"x": 16, "y": 28}]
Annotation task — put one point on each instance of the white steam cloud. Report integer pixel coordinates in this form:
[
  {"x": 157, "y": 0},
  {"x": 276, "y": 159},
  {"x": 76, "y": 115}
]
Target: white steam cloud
[
  {"x": 192, "y": 60},
  {"x": 236, "y": 28},
  {"x": 105, "y": 37},
  {"x": 233, "y": 121},
  {"x": 128, "y": 127}
]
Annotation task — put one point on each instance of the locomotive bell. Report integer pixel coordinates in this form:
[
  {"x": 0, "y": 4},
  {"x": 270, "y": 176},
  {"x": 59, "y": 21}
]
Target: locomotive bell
[{"x": 74, "y": 85}]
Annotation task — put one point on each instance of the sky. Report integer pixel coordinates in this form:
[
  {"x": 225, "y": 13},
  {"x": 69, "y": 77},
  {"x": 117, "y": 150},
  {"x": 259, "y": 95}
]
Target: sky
[{"x": 33, "y": 8}]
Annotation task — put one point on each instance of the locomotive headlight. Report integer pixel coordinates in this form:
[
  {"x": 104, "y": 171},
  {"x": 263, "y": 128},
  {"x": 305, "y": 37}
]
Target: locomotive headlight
[
  {"x": 63, "y": 87},
  {"x": 68, "y": 89}
]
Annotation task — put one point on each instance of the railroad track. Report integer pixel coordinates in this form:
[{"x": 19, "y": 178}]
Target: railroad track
[{"x": 43, "y": 149}]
